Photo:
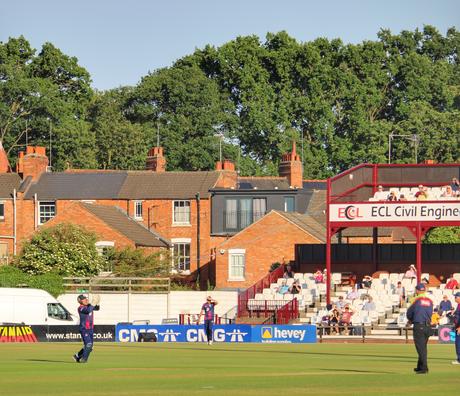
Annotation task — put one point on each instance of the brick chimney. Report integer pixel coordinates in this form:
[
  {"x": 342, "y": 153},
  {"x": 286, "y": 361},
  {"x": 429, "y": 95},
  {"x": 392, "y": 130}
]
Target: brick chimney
[
  {"x": 228, "y": 175},
  {"x": 33, "y": 163},
  {"x": 4, "y": 163},
  {"x": 156, "y": 162},
  {"x": 291, "y": 168}
]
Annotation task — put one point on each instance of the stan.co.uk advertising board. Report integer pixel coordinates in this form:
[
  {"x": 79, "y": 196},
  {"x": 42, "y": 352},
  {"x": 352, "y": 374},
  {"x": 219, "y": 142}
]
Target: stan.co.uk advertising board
[{"x": 26, "y": 333}]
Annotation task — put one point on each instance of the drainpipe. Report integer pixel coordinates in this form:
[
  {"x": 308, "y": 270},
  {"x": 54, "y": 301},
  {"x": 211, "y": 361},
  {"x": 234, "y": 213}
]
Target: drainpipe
[
  {"x": 35, "y": 212},
  {"x": 14, "y": 222},
  {"x": 198, "y": 237}
]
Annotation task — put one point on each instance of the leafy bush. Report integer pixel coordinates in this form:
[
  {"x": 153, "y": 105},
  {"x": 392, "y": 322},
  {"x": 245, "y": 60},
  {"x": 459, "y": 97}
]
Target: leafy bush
[
  {"x": 14, "y": 277},
  {"x": 274, "y": 266},
  {"x": 64, "y": 249},
  {"x": 136, "y": 262},
  {"x": 443, "y": 235}
]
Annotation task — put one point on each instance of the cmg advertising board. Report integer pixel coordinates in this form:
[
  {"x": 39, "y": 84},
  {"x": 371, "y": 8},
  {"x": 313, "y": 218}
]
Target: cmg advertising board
[
  {"x": 221, "y": 333},
  {"x": 184, "y": 333}
]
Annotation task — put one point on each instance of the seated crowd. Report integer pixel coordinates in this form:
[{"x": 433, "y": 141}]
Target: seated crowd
[
  {"x": 360, "y": 304},
  {"x": 420, "y": 193}
]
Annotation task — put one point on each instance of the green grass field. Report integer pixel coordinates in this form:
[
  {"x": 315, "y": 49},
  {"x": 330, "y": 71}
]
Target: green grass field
[{"x": 227, "y": 369}]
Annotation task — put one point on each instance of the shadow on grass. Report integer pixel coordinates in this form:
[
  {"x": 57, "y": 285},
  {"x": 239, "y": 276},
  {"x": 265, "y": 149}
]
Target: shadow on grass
[
  {"x": 47, "y": 361},
  {"x": 356, "y": 371},
  {"x": 218, "y": 350}
]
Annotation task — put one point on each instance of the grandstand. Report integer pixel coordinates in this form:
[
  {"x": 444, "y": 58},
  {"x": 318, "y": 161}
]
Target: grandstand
[
  {"x": 415, "y": 196},
  {"x": 356, "y": 198},
  {"x": 388, "y": 314}
]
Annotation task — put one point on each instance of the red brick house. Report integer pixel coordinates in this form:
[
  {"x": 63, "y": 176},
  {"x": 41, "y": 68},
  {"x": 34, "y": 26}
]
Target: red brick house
[
  {"x": 168, "y": 206},
  {"x": 201, "y": 216},
  {"x": 247, "y": 256}
]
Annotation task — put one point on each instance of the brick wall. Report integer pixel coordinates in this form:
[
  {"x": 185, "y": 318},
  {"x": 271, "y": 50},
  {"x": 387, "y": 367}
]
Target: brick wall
[{"x": 271, "y": 239}]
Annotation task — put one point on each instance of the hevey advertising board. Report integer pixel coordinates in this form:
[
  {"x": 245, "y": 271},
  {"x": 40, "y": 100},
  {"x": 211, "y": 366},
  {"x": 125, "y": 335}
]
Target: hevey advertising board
[
  {"x": 404, "y": 212},
  {"x": 221, "y": 333},
  {"x": 284, "y": 334}
]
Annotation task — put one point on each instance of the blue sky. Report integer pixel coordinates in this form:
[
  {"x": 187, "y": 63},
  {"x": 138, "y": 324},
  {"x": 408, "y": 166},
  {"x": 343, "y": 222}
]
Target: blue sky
[{"x": 118, "y": 41}]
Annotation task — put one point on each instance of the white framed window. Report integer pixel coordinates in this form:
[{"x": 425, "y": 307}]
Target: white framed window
[
  {"x": 181, "y": 253},
  {"x": 181, "y": 212},
  {"x": 2, "y": 210},
  {"x": 236, "y": 264},
  {"x": 46, "y": 211},
  {"x": 138, "y": 210}
]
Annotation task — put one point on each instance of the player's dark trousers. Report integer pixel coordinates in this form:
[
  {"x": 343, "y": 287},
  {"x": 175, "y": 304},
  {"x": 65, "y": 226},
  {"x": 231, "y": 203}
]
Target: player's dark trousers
[
  {"x": 457, "y": 345},
  {"x": 87, "y": 337},
  {"x": 421, "y": 334},
  {"x": 208, "y": 329}
]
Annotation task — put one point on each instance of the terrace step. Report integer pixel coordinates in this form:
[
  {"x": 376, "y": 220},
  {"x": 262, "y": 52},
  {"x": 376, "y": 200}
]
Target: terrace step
[{"x": 384, "y": 332}]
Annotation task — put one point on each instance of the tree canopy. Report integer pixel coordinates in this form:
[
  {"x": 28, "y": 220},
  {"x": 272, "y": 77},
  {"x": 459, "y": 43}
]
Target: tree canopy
[{"x": 339, "y": 102}]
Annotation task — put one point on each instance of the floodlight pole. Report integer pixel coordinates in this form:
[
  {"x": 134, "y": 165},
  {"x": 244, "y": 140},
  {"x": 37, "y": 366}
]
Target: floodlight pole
[
  {"x": 413, "y": 138},
  {"x": 220, "y": 136}
]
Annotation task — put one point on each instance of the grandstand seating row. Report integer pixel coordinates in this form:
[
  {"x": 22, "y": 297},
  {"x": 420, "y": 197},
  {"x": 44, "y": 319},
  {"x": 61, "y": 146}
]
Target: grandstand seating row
[{"x": 433, "y": 193}]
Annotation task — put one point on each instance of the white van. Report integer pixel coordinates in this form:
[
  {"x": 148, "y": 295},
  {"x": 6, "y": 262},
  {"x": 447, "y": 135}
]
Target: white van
[{"x": 32, "y": 307}]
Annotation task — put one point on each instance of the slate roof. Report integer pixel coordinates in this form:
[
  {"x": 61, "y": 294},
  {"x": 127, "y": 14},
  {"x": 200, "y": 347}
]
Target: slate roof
[
  {"x": 168, "y": 185},
  {"x": 314, "y": 185},
  {"x": 263, "y": 183},
  {"x": 9, "y": 182},
  {"x": 77, "y": 185},
  {"x": 88, "y": 185},
  {"x": 119, "y": 221}
]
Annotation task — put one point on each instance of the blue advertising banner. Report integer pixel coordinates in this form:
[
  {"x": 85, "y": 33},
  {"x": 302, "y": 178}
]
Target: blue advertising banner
[
  {"x": 221, "y": 333},
  {"x": 284, "y": 334},
  {"x": 184, "y": 333}
]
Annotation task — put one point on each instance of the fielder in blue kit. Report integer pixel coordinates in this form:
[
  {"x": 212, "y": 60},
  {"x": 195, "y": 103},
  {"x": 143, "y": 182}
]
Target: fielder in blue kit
[
  {"x": 419, "y": 314},
  {"x": 457, "y": 328},
  {"x": 85, "y": 311},
  {"x": 208, "y": 311}
]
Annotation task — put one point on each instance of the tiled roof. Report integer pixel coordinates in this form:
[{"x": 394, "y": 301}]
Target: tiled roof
[
  {"x": 118, "y": 220},
  {"x": 306, "y": 223},
  {"x": 168, "y": 185},
  {"x": 80, "y": 185},
  {"x": 317, "y": 209},
  {"x": 9, "y": 182}
]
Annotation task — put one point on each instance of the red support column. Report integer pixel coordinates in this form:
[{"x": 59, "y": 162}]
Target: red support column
[
  {"x": 419, "y": 252},
  {"x": 328, "y": 245}
]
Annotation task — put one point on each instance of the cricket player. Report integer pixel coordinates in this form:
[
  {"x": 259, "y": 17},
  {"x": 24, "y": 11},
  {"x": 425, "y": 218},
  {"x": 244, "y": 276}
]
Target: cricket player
[
  {"x": 208, "y": 311},
  {"x": 419, "y": 313},
  {"x": 85, "y": 311}
]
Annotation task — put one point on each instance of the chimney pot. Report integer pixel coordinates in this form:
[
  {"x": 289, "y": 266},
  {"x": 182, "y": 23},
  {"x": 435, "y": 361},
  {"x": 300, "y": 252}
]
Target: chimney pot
[
  {"x": 156, "y": 162},
  {"x": 291, "y": 168}
]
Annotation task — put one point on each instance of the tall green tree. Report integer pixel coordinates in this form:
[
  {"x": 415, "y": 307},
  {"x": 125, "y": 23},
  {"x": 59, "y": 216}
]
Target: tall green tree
[{"x": 45, "y": 95}]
